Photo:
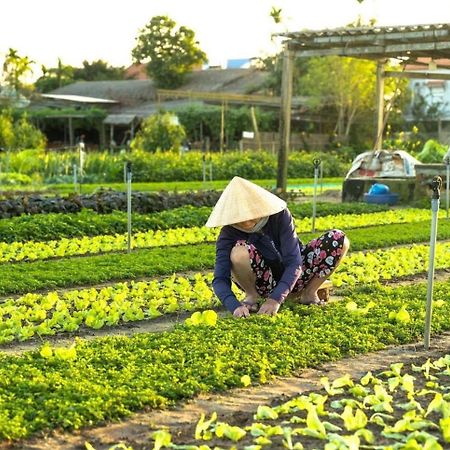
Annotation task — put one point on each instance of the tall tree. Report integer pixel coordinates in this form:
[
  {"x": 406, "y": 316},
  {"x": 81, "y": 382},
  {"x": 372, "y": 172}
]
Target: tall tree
[
  {"x": 98, "y": 71},
  {"x": 347, "y": 86},
  {"x": 62, "y": 74},
  {"x": 15, "y": 67},
  {"x": 170, "y": 53},
  {"x": 54, "y": 77}
]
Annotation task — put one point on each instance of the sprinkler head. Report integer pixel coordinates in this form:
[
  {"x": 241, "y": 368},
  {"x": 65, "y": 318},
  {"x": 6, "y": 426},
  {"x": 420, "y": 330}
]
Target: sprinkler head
[{"x": 436, "y": 186}]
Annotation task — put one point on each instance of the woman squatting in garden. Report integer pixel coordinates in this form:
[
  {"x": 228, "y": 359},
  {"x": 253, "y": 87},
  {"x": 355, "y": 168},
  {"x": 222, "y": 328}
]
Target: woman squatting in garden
[{"x": 258, "y": 249}]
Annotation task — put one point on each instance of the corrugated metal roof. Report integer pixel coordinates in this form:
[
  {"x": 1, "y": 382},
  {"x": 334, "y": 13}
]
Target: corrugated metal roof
[
  {"x": 406, "y": 41},
  {"x": 119, "y": 119},
  {"x": 78, "y": 98},
  {"x": 355, "y": 31}
]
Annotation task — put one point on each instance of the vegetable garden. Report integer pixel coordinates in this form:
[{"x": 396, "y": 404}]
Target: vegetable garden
[{"x": 75, "y": 356}]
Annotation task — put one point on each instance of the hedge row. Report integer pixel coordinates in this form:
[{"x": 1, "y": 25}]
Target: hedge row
[{"x": 167, "y": 166}]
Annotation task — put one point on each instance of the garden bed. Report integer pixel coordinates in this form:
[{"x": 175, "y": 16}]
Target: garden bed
[
  {"x": 237, "y": 407},
  {"x": 82, "y": 387}
]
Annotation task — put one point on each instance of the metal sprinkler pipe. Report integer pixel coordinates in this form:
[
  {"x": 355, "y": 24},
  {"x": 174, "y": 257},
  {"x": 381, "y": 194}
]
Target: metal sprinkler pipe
[
  {"x": 435, "y": 186},
  {"x": 128, "y": 177},
  {"x": 447, "y": 180},
  {"x": 204, "y": 168},
  {"x": 316, "y": 163}
]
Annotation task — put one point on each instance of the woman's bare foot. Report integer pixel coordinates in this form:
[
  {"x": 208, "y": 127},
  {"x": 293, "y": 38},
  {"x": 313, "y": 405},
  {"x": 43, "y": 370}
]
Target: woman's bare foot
[
  {"x": 251, "y": 303},
  {"x": 310, "y": 298}
]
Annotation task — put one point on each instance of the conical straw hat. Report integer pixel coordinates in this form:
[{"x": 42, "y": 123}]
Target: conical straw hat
[{"x": 243, "y": 200}]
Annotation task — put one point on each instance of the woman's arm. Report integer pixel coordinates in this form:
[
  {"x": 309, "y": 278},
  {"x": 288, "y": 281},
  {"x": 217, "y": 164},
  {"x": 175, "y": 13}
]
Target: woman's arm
[
  {"x": 222, "y": 272},
  {"x": 290, "y": 254}
]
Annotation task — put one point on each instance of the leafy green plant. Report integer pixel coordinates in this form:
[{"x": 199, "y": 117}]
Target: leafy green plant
[
  {"x": 432, "y": 152},
  {"x": 13, "y": 179},
  {"x": 113, "y": 376},
  {"x": 159, "y": 132}
]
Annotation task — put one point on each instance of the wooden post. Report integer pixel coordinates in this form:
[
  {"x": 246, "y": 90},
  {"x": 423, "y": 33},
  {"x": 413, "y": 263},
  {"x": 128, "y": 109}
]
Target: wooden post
[
  {"x": 255, "y": 127},
  {"x": 379, "y": 104},
  {"x": 102, "y": 134},
  {"x": 222, "y": 126},
  {"x": 285, "y": 119},
  {"x": 111, "y": 137},
  {"x": 71, "y": 139}
]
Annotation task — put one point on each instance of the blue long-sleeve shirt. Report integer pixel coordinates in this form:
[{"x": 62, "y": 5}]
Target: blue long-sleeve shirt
[{"x": 279, "y": 245}]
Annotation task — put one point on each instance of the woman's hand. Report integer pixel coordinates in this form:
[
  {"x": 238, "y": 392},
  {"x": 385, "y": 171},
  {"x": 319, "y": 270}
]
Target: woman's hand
[
  {"x": 241, "y": 311},
  {"x": 269, "y": 307}
]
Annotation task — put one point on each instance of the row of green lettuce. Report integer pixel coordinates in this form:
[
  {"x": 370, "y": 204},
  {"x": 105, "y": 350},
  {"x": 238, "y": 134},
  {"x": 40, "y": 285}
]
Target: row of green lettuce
[
  {"x": 36, "y": 315},
  {"x": 90, "y": 245},
  {"x": 110, "y": 378},
  {"x": 303, "y": 185},
  {"x": 403, "y": 406},
  {"x": 52, "y": 226},
  {"x": 23, "y": 277}
]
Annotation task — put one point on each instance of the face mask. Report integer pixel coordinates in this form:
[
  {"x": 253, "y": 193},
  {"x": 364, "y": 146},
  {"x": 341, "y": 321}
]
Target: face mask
[{"x": 256, "y": 228}]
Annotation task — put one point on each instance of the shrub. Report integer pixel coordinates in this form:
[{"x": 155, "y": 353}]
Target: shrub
[
  {"x": 159, "y": 132},
  {"x": 11, "y": 179},
  {"x": 432, "y": 152},
  {"x": 169, "y": 166},
  {"x": 26, "y": 135},
  {"x": 19, "y": 134}
]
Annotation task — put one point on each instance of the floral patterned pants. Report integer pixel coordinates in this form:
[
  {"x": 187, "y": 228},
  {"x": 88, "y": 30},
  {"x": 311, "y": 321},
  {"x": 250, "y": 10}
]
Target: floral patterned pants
[{"x": 320, "y": 257}]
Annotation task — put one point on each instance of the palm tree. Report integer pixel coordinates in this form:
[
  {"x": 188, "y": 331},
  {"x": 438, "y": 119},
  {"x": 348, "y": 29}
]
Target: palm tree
[{"x": 14, "y": 68}]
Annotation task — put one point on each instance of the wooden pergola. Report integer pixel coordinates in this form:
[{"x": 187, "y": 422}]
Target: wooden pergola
[{"x": 405, "y": 43}]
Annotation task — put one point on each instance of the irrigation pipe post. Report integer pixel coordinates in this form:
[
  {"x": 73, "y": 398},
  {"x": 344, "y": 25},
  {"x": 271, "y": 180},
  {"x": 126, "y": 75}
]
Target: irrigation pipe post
[
  {"x": 447, "y": 180},
  {"x": 321, "y": 177},
  {"x": 435, "y": 186},
  {"x": 316, "y": 176},
  {"x": 204, "y": 168},
  {"x": 128, "y": 177},
  {"x": 75, "y": 181},
  {"x": 210, "y": 168}
]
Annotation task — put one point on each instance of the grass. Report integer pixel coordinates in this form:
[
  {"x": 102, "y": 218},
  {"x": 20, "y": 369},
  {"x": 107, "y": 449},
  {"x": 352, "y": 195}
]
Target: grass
[{"x": 180, "y": 186}]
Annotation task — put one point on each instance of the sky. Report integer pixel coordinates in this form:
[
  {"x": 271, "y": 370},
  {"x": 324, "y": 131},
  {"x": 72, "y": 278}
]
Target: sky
[{"x": 75, "y": 31}]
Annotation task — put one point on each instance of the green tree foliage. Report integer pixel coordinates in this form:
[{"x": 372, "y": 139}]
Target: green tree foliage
[
  {"x": 159, "y": 132},
  {"x": 345, "y": 87},
  {"x": 274, "y": 65},
  {"x": 61, "y": 75},
  {"x": 15, "y": 67},
  {"x": 6, "y": 130},
  {"x": 26, "y": 135},
  {"x": 171, "y": 53},
  {"x": 426, "y": 113},
  {"x": 19, "y": 134},
  {"x": 432, "y": 152},
  {"x": 276, "y": 15},
  {"x": 55, "y": 77},
  {"x": 202, "y": 121},
  {"x": 98, "y": 71}
]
